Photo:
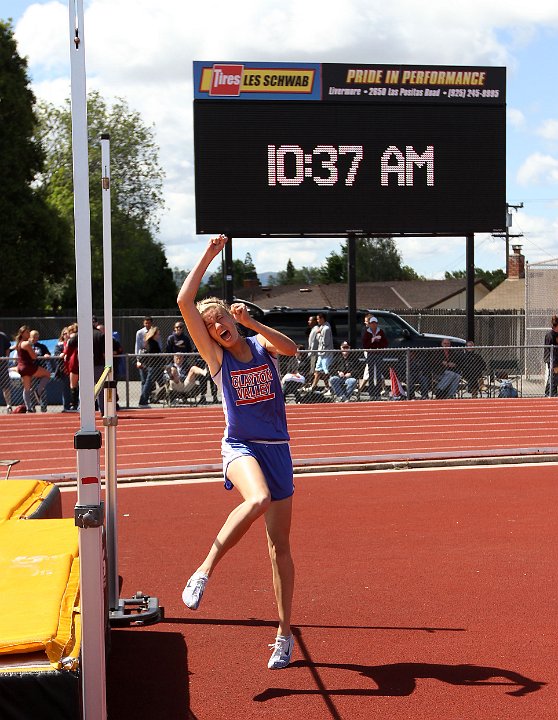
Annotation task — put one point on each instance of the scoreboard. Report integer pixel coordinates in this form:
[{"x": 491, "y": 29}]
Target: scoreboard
[{"x": 327, "y": 149}]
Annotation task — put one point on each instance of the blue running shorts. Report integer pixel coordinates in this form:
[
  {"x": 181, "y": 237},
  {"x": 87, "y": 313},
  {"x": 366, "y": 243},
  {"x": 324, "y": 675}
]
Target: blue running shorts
[{"x": 273, "y": 458}]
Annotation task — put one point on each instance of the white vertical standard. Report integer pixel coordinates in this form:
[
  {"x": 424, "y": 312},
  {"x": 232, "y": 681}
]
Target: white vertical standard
[
  {"x": 110, "y": 418},
  {"x": 87, "y": 441}
]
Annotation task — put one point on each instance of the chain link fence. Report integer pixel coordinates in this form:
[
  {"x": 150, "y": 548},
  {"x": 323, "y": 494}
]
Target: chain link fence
[
  {"x": 354, "y": 376},
  {"x": 541, "y": 287},
  {"x": 501, "y": 328},
  {"x": 420, "y": 374}
]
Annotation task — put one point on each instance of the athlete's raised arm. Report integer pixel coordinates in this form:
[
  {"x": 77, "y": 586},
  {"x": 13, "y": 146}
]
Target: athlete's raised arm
[{"x": 210, "y": 351}]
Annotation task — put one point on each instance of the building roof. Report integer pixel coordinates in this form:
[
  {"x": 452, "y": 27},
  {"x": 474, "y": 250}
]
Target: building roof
[
  {"x": 400, "y": 294},
  {"x": 508, "y": 295}
]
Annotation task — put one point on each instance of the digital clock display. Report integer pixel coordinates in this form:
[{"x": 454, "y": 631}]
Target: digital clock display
[{"x": 284, "y": 167}]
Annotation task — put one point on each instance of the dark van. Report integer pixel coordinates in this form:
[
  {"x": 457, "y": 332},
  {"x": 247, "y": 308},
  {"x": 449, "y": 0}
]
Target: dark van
[{"x": 293, "y": 322}]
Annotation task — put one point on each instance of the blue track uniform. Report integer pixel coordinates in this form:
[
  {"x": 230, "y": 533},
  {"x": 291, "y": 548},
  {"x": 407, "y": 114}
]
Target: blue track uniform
[{"x": 256, "y": 422}]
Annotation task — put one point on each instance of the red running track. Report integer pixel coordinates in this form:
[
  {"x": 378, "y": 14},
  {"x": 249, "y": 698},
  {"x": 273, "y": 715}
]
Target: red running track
[
  {"x": 185, "y": 441},
  {"x": 421, "y": 595}
]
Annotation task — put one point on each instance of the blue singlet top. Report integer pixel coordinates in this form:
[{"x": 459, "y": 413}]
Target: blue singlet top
[{"x": 253, "y": 401}]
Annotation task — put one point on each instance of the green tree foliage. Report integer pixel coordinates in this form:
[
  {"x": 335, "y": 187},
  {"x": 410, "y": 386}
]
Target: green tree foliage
[
  {"x": 491, "y": 278},
  {"x": 34, "y": 239},
  {"x": 296, "y": 276},
  {"x": 290, "y": 271},
  {"x": 141, "y": 276},
  {"x": 179, "y": 275},
  {"x": 377, "y": 259},
  {"x": 250, "y": 272},
  {"x": 242, "y": 270}
]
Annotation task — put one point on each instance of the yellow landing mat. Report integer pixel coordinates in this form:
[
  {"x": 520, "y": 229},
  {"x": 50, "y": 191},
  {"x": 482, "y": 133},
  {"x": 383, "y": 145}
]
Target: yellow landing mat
[
  {"x": 39, "y": 587},
  {"x": 21, "y": 498}
]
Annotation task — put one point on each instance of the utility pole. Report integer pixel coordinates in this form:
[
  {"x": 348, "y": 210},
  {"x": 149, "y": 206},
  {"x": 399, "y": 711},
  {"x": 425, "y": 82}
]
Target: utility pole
[{"x": 507, "y": 235}]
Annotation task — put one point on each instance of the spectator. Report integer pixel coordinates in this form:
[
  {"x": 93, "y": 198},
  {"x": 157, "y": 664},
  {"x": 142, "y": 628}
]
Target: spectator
[
  {"x": 312, "y": 334},
  {"x": 71, "y": 363},
  {"x": 99, "y": 360},
  {"x": 5, "y": 384},
  {"x": 119, "y": 361},
  {"x": 151, "y": 365},
  {"x": 344, "y": 372},
  {"x": 298, "y": 373},
  {"x": 178, "y": 342},
  {"x": 363, "y": 382},
  {"x": 206, "y": 381},
  {"x": 551, "y": 357},
  {"x": 60, "y": 370},
  {"x": 448, "y": 375},
  {"x": 374, "y": 338},
  {"x": 42, "y": 353},
  {"x": 139, "y": 348},
  {"x": 181, "y": 378},
  {"x": 473, "y": 368},
  {"x": 325, "y": 345},
  {"x": 420, "y": 373},
  {"x": 28, "y": 368}
]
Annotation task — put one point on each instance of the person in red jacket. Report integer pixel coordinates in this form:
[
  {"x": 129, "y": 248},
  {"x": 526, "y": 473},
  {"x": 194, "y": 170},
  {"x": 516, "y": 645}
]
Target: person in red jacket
[
  {"x": 28, "y": 367},
  {"x": 374, "y": 338},
  {"x": 71, "y": 364}
]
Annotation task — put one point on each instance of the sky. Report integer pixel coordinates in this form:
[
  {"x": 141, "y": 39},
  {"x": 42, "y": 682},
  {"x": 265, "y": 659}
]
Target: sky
[{"x": 143, "y": 51}]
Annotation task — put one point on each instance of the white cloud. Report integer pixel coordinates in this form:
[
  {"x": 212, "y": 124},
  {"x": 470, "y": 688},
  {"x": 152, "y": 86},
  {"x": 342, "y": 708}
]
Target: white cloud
[
  {"x": 548, "y": 130},
  {"x": 538, "y": 169},
  {"x": 515, "y": 117},
  {"x": 43, "y": 36}
]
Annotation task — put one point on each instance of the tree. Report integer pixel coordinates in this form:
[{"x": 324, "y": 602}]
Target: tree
[
  {"x": 377, "y": 259},
  {"x": 242, "y": 270},
  {"x": 491, "y": 278},
  {"x": 35, "y": 241},
  {"x": 296, "y": 276},
  {"x": 179, "y": 275},
  {"x": 290, "y": 270},
  {"x": 141, "y": 276},
  {"x": 250, "y": 272}
]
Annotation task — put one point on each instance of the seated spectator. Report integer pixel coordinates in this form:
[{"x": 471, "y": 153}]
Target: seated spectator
[
  {"x": 181, "y": 378},
  {"x": 473, "y": 369},
  {"x": 420, "y": 373},
  {"x": 447, "y": 371},
  {"x": 298, "y": 373},
  {"x": 345, "y": 369}
]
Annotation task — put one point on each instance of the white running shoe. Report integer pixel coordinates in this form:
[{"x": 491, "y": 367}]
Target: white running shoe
[
  {"x": 193, "y": 592},
  {"x": 282, "y": 651}
]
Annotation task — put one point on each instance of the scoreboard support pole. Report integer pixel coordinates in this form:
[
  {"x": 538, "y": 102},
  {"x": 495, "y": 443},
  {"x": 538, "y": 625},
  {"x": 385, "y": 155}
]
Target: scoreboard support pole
[
  {"x": 228, "y": 278},
  {"x": 351, "y": 281},
  {"x": 470, "y": 292}
]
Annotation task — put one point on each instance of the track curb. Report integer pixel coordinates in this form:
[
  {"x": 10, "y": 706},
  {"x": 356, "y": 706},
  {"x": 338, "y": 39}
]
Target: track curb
[{"x": 330, "y": 468}]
